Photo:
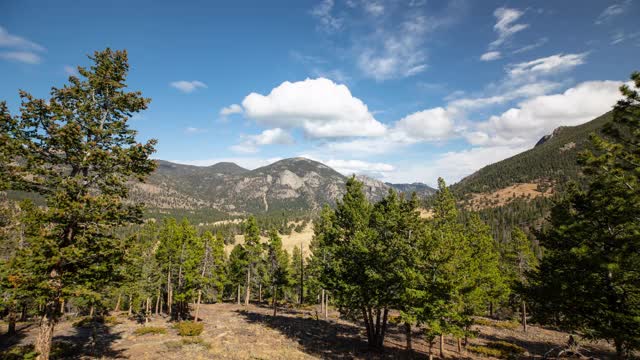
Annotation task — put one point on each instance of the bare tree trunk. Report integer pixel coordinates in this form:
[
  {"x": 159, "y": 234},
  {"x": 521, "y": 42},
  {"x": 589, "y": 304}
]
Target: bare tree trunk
[
  {"x": 326, "y": 305},
  {"x": 147, "y": 309},
  {"x": 45, "y": 332},
  {"x": 158, "y": 303},
  {"x": 198, "y": 306},
  {"x": 91, "y": 311},
  {"x": 61, "y": 306},
  {"x": 23, "y": 314},
  {"x": 524, "y": 316},
  {"x": 238, "y": 294},
  {"x": 491, "y": 309},
  {"x": 322, "y": 302},
  {"x": 442, "y": 346},
  {"x": 260, "y": 293},
  {"x": 409, "y": 337},
  {"x": 169, "y": 291},
  {"x": 459, "y": 345},
  {"x": 247, "y": 294},
  {"x": 275, "y": 295},
  {"x": 118, "y": 303},
  {"x": 130, "y": 304}
]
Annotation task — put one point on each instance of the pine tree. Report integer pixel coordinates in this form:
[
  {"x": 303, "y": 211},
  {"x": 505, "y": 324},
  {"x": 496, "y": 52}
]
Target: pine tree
[
  {"x": 237, "y": 270},
  {"x": 253, "y": 249},
  {"x": 519, "y": 258},
  {"x": 588, "y": 279},
  {"x": 298, "y": 273},
  {"x": 77, "y": 150},
  {"x": 278, "y": 265}
]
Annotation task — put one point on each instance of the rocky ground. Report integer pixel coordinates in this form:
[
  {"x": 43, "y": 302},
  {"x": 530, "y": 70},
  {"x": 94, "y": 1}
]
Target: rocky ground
[{"x": 237, "y": 332}]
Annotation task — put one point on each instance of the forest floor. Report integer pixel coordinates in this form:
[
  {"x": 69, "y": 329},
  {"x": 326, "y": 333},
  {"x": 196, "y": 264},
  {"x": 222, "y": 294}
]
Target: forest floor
[{"x": 237, "y": 332}]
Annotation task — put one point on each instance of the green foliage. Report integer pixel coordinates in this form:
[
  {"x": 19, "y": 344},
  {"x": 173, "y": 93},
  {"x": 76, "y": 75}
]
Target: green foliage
[
  {"x": 189, "y": 328},
  {"x": 587, "y": 280},
  {"x": 153, "y": 330}
]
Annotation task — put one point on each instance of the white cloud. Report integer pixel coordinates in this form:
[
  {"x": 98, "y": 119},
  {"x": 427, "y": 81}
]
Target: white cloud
[
  {"x": 349, "y": 167},
  {"x": 613, "y": 11},
  {"x": 530, "y": 47},
  {"x": 540, "y": 115},
  {"x": 451, "y": 166},
  {"x": 506, "y": 25},
  {"x": 327, "y": 22},
  {"x": 490, "y": 56},
  {"x": 251, "y": 143},
  {"x": 547, "y": 65},
  {"x": 26, "y": 57},
  {"x": 17, "y": 42},
  {"x": 374, "y": 8},
  {"x": 396, "y": 54},
  {"x": 427, "y": 125},
  {"x": 194, "y": 130},
  {"x": 231, "y": 109},
  {"x": 71, "y": 71},
  {"x": 320, "y": 107},
  {"x": 188, "y": 86}
]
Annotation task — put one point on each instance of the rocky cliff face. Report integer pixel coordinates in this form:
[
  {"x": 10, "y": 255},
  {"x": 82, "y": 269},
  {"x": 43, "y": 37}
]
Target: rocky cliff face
[{"x": 296, "y": 184}]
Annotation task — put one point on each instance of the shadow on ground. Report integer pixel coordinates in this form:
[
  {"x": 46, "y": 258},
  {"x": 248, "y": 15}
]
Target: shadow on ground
[{"x": 326, "y": 339}]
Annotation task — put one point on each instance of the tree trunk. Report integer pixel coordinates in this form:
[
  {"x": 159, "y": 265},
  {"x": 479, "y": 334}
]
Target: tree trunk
[
  {"x": 23, "y": 314},
  {"x": 169, "y": 291},
  {"x": 11, "y": 330},
  {"x": 147, "y": 309},
  {"x": 524, "y": 316},
  {"x": 248, "y": 292},
  {"x": 198, "y": 306},
  {"x": 459, "y": 345},
  {"x": 275, "y": 295},
  {"x": 130, "y": 304},
  {"x": 301, "y": 275},
  {"x": 118, "y": 303},
  {"x": 91, "y": 311},
  {"x": 322, "y": 302},
  {"x": 409, "y": 335},
  {"x": 61, "y": 306},
  {"x": 326, "y": 305},
  {"x": 238, "y": 294},
  {"x": 260, "y": 293},
  {"x": 491, "y": 309},
  {"x": 158, "y": 303},
  {"x": 442, "y": 346},
  {"x": 45, "y": 332}
]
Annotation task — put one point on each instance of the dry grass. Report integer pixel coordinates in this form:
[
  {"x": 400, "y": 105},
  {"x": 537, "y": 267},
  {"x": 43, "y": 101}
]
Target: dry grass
[{"x": 506, "y": 195}]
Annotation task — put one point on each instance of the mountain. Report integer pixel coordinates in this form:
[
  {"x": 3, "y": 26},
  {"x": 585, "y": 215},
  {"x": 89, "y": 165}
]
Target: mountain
[
  {"x": 423, "y": 190},
  {"x": 519, "y": 191},
  {"x": 289, "y": 185}
]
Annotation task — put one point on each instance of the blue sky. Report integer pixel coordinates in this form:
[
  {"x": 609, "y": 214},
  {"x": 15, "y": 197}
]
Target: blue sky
[{"x": 400, "y": 90}]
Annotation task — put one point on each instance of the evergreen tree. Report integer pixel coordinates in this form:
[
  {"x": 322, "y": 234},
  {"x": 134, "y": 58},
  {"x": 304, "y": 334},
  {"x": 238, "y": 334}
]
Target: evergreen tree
[
  {"x": 237, "y": 270},
  {"x": 77, "y": 150},
  {"x": 253, "y": 249},
  {"x": 588, "y": 279},
  {"x": 278, "y": 265},
  {"x": 518, "y": 259},
  {"x": 298, "y": 273}
]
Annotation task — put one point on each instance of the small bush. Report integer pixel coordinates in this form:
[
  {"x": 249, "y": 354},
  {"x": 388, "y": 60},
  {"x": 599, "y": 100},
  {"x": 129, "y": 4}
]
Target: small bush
[
  {"x": 22, "y": 352},
  {"x": 499, "y": 349},
  {"x": 511, "y": 325},
  {"x": 112, "y": 320},
  {"x": 189, "y": 328},
  {"x": 150, "y": 330},
  {"x": 196, "y": 341},
  {"x": 173, "y": 345},
  {"x": 83, "y": 322}
]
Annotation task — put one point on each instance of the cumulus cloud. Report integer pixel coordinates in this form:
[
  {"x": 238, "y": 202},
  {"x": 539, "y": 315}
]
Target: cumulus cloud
[
  {"x": 613, "y": 11},
  {"x": 359, "y": 167},
  {"x": 188, "y": 86},
  {"x": 247, "y": 162},
  {"x": 320, "y": 107},
  {"x": 506, "y": 25},
  {"x": 490, "y": 56},
  {"x": 427, "y": 125},
  {"x": 71, "y": 71},
  {"x": 231, "y": 109},
  {"x": 538, "y": 116},
  {"x": 251, "y": 143}
]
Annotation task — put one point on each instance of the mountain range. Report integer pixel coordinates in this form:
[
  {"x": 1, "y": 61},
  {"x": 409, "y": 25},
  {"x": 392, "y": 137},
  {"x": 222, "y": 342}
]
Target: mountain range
[{"x": 289, "y": 185}]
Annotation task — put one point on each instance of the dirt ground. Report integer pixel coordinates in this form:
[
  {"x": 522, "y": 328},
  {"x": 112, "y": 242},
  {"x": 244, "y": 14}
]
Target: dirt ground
[{"x": 237, "y": 332}]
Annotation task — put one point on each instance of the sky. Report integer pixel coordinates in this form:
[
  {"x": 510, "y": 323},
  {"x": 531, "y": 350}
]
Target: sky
[{"x": 403, "y": 91}]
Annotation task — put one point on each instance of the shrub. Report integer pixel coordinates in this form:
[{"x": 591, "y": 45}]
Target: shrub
[
  {"x": 150, "y": 330},
  {"x": 83, "y": 322},
  {"x": 196, "y": 341},
  {"x": 21, "y": 352},
  {"x": 112, "y": 320},
  {"x": 189, "y": 328}
]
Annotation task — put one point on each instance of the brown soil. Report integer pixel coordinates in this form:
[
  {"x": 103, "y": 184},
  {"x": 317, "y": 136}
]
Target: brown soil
[{"x": 239, "y": 332}]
